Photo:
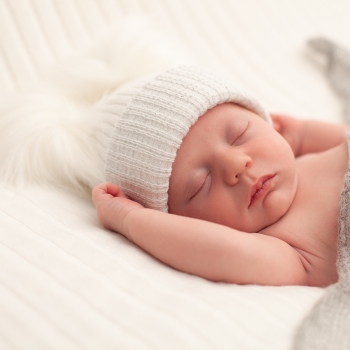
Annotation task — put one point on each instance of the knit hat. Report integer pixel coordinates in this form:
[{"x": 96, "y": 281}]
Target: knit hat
[{"x": 145, "y": 123}]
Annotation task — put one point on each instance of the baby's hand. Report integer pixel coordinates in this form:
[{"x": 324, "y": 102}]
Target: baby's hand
[
  {"x": 113, "y": 207},
  {"x": 290, "y": 128}
]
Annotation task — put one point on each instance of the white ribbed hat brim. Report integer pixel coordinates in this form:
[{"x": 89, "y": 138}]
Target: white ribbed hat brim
[{"x": 147, "y": 135}]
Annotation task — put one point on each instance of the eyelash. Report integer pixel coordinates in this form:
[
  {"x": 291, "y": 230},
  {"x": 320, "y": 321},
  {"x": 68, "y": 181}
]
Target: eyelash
[
  {"x": 201, "y": 187},
  {"x": 242, "y": 133}
]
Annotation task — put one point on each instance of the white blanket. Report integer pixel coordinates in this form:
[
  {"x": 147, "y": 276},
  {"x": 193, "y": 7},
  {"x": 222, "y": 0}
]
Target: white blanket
[{"x": 65, "y": 282}]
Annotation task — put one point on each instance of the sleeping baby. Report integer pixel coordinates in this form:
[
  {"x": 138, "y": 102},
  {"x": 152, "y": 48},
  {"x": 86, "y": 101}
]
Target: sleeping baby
[{"x": 200, "y": 176}]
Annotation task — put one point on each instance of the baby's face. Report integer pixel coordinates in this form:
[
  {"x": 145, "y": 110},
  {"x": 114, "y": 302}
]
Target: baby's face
[{"x": 234, "y": 169}]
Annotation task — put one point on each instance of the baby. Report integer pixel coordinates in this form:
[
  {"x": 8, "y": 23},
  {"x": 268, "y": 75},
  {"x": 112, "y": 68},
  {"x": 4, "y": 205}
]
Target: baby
[{"x": 202, "y": 178}]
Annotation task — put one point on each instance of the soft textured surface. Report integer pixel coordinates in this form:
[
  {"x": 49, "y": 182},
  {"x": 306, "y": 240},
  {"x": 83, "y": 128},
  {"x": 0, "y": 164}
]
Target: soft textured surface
[
  {"x": 337, "y": 69},
  {"x": 66, "y": 283},
  {"x": 327, "y": 325}
]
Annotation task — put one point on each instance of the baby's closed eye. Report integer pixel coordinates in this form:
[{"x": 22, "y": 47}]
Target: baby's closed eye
[
  {"x": 238, "y": 132},
  {"x": 200, "y": 185}
]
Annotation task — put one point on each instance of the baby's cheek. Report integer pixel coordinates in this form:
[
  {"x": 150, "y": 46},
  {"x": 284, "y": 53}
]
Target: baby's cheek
[{"x": 277, "y": 204}]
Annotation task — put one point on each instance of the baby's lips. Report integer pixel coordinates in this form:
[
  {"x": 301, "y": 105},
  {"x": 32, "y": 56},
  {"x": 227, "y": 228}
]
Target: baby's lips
[{"x": 259, "y": 184}]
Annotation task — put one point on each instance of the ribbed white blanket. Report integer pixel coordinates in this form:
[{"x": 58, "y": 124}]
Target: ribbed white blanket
[{"x": 65, "y": 282}]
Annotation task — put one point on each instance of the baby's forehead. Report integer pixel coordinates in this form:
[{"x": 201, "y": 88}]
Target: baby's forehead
[
  {"x": 222, "y": 123},
  {"x": 228, "y": 110},
  {"x": 222, "y": 115}
]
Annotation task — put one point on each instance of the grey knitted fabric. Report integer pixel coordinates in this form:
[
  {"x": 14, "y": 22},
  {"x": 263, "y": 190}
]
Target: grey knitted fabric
[
  {"x": 327, "y": 326},
  {"x": 150, "y": 124},
  {"x": 337, "y": 69}
]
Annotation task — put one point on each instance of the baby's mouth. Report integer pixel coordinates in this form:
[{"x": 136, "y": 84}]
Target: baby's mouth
[{"x": 260, "y": 188}]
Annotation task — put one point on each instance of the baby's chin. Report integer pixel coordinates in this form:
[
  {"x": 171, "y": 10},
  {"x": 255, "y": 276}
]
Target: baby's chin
[
  {"x": 276, "y": 215},
  {"x": 268, "y": 219},
  {"x": 255, "y": 227}
]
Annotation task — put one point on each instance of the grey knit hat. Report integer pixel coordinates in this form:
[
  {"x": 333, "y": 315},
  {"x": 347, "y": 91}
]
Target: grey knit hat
[{"x": 145, "y": 123}]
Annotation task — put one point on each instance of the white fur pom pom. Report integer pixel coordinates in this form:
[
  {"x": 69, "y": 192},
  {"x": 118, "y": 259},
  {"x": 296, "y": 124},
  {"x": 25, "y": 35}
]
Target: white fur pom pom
[{"x": 49, "y": 136}]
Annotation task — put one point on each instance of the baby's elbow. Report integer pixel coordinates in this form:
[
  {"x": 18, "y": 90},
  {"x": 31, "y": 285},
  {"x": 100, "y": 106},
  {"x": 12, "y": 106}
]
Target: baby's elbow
[
  {"x": 297, "y": 279},
  {"x": 290, "y": 278}
]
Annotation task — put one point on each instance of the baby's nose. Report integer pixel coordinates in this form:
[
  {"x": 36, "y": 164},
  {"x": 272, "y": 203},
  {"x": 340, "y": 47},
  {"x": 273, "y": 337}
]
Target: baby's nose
[{"x": 235, "y": 164}]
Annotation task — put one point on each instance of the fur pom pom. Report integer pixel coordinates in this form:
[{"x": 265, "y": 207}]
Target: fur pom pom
[
  {"x": 48, "y": 135},
  {"x": 47, "y": 138},
  {"x": 129, "y": 50}
]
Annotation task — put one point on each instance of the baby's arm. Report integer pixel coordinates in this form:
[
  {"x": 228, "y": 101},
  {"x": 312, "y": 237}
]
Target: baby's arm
[
  {"x": 198, "y": 247},
  {"x": 308, "y": 136}
]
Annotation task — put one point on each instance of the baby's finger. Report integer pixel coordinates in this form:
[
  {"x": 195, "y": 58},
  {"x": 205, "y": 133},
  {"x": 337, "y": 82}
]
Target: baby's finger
[
  {"x": 102, "y": 191},
  {"x": 112, "y": 189},
  {"x": 115, "y": 190}
]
